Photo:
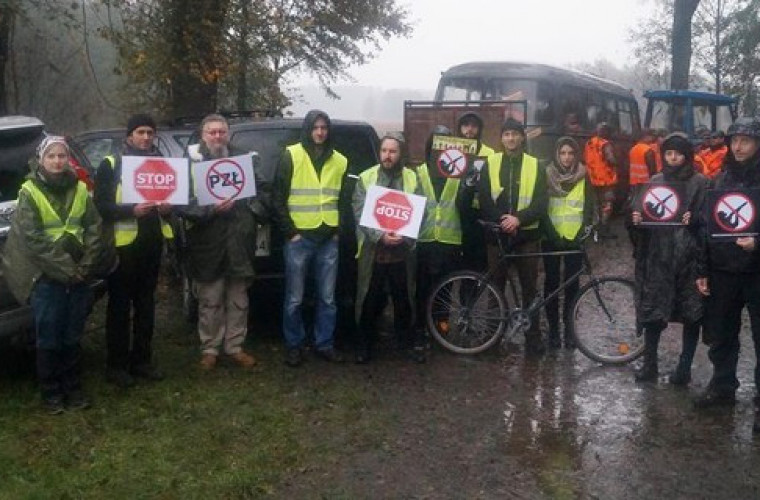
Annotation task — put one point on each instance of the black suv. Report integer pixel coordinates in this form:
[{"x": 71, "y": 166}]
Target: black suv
[
  {"x": 97, "y": 144},
  {"x": 358, "y": 141},
  {"x": 19, "y": 137}
]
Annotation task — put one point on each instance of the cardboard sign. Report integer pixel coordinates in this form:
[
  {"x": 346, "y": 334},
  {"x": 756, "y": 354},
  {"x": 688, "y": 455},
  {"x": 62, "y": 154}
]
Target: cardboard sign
[
  {"x": 662, "y": 205},
  {"x": 154, "y": 179},
  {"x": 223, "y": 179},
  {"x": 732, "y": 213},
  {"x": 393, "y": 211}
]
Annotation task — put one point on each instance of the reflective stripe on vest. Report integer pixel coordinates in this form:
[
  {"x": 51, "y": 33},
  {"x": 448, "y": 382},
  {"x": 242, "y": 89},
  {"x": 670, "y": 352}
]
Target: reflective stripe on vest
[
  {"x": 442, "y": 222},
  {"x": 313, "y": 200},
  {"x": 566, "y": 212},
  {"x": 639, "y": 171},
  {"x": 125, "y": 230},
  {"x": 528, "y": 175},
  {"x": 600, "y": 172},
  {"x": 52, "y": 224},
  {"x": 369, "y": 178}
]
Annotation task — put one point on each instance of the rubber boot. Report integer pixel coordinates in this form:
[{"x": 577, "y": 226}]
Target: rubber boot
[
  {"x": 682, "y": 374},
  {"x": 648, "y": 371}
]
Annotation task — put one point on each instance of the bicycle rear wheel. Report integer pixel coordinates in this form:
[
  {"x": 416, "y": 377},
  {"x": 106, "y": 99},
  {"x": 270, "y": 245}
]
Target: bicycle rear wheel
[
  {"x": 603, "y": 321},
  {"x": 465, "y": 313}
]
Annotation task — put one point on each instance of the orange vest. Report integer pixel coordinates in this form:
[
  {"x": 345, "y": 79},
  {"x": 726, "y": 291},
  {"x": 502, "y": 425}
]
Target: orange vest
[
  {"x": 639, "y": 171},
  {"x": 600, "y": 172},
  {"x": 712, "y": 160}
]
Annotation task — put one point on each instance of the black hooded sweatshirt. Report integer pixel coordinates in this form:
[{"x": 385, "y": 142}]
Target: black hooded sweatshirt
[{"x": 284, "y": 174}]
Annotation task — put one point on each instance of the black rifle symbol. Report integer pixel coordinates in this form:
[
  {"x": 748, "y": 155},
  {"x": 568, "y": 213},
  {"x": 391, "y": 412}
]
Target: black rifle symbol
[
  {"x": 658, "y": 209},
  {"x": 731, "y": 218}
]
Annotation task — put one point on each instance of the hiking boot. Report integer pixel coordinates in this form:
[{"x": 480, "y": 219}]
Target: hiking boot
[
  {"x": 680, "y": 376},
  {"x": 362, "y": 357},
  {"x": 53, "y": 405},
  {"x": 712, "y": 398},
  {"x": 77, "y": 400},
  {"x": 647, "y": 373},
  {"x": 294, "y": 357},
  {"x": 208, "y": 362},
  {"x": 120, "y": 378},
  {"x": 330, "y": 354},
  {"x": 243, "y": 359},
  {"x": 147, "y": 372}
]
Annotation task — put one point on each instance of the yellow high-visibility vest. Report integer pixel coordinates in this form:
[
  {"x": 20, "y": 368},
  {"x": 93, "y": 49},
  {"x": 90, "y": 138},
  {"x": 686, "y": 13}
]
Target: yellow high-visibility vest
[
  {"x": 369, "y": 178},
  {"x": 442, "y": 222},
  {"x": 52, "y": 224},
  {"x": 528, "y": 176},
  {"x": 313, "y": 200},
  {"x": 566, "y": 212},
  {"x": 125, "y": 230}
]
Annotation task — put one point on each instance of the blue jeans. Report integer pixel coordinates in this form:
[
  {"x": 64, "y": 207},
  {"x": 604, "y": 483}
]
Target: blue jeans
[
  {"x": 299, "y": 256},
  {"x": 60, "y": 312}
]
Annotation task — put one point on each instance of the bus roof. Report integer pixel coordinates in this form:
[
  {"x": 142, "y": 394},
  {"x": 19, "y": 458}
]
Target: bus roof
[
  {"x": 689, "y": 94},
  {"x": 501, "y": 69}
]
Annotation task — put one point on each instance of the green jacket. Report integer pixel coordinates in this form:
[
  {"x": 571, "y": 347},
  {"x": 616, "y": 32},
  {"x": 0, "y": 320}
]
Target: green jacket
[
  {"x": 366, "y": 256},
  {"x": 30, "y": 254}
]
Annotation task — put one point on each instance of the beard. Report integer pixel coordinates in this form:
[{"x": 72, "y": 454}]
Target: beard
[{"x": 219, "y": 151}]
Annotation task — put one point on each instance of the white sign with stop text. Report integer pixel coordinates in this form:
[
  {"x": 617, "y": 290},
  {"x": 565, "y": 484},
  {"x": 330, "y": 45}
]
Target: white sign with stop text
[
  {"x": 154, "y": 179},
  {"x": 393, "y": 211},
  {"x": 226, "y": 178}
]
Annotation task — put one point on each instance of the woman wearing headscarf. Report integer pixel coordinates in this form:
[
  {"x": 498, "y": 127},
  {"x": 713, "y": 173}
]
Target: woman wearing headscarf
[{"x": 571, "y": 208}]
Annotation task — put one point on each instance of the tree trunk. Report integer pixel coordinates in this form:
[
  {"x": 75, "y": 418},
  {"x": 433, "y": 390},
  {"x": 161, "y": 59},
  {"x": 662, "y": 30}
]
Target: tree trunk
[
  {"x": 243, "y": 60},
  {"x": 683, "y": 13},
  {"x": 7, "y": 17}
]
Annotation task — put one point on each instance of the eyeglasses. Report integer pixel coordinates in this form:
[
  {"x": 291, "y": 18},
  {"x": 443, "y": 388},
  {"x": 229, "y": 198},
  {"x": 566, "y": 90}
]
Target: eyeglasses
[{"x": 216, "y": 131}]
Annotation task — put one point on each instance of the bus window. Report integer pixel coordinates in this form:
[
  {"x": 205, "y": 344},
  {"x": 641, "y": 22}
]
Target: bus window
[
  {"x": 723, "y": 118},
  {"x": 625, "y": 117},
  {"x": 461, "y": 89},
  {"x": 538, "y": 95},
  {"x": 573, "y": 108},
  {"x": 703, "y": 116}
]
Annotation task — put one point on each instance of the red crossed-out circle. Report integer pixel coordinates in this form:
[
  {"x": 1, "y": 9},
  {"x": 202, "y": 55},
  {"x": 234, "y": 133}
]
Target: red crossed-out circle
[
  {"x": 155, "y": 180},
  {"x": 225, "y": 179},
  {"x": 393, "y": 211},
  {"x": 737, "y": 206},
  {"x": 452, "y": 163},
  {"x": 661, "y": 203}
]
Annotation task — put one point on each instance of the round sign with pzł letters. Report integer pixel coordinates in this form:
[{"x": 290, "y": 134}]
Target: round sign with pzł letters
[
  {"x": 734, "y": 212},
  {"x": 452, "y": 163},
  {"x": 225, "y": 179},
  {"x": 392, "y": 211},
  {"x": 155, "y": 180},
  {"x": 661, "y": 203}
]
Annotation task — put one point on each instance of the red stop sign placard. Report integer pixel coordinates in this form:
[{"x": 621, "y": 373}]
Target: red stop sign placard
[
  {"x": 393, "y": 211},
  {"x": 155, "y": 180}
]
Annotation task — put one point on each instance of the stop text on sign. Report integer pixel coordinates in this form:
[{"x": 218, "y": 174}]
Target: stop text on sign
[
  {"x": 154, "y": 179},
  {"x": 391, "y": 210}
]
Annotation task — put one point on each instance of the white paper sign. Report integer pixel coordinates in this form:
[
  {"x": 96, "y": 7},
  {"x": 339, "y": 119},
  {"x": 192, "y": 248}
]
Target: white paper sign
[
  {"x": 393, "y": 211},
  {"x": 223, "y": 179},
  {"x": 156, "y": 179}
]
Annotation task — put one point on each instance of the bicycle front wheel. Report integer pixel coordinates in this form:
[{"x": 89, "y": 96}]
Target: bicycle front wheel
[
  {"x": 603, "y": 321},
  {"x": 465, "y": 313}
]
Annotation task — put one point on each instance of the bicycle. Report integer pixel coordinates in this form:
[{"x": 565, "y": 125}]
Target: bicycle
[{"x": 467, "y": 314}]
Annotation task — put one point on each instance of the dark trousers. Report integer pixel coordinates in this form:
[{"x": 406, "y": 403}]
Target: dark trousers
[
  {"x": 527, "y": 273},
  {"x": 394, "y": 276},
  {"x": 475, "y": 257},
  {"x": 434, "y": 261},
  {"x": 131, "y": 288},
  {"x": 60, "y": 312},
  {"x": 729, "y": 293},
  {"x": 554, "y": 276}
]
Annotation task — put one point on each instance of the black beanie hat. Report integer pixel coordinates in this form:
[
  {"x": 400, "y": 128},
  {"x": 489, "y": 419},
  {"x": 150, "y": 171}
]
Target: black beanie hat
[
  {"x": 140, "y": 120},
  {"x": 678, "y": 142},
  {"x": 512, "y": 124}
]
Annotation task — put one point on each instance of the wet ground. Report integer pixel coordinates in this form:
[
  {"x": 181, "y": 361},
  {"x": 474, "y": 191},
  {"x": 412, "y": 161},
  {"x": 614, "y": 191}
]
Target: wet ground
[{"x": 500, "y": 425}]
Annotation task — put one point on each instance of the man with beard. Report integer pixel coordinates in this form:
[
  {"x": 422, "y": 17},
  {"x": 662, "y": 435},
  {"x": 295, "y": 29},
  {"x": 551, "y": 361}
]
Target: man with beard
[
  {"x": 729, "y": 275},
  {"x": 138, "y": 231},
  {"x": 221, "y": 248},
  {"x": 385, "y": 257},
  {"x": 513, "y": 194},
  {"x": 470, "y": 126}
]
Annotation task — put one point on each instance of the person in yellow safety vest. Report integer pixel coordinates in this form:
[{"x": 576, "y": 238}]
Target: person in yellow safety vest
[
  {"x": 642, "y": 162},
  {"x": 53, "y": 250},
  {"x": 386, "y": 259},
  {"x": 138, "y": 232},
  {"x": 308, "y": 187},
  {"x": 439, "y": 246},
  {"x": 470, "y": 125},
  {"x": 512, "y": 193},
  {"x": 571, "y": 208}
]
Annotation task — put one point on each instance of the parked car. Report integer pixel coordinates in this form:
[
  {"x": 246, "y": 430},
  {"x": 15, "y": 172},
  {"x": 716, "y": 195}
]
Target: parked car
[
  {"x": 19, "y": 137},
  {"x": 97, "y": 144},
  {"x": 358, "y": 141}
]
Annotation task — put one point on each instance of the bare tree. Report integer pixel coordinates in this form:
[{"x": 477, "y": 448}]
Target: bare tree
[{"x": 683, "y": 12}]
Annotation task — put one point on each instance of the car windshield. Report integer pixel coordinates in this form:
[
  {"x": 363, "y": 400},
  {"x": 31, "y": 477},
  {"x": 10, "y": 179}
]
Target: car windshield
[{"x": 16, "y": 150}]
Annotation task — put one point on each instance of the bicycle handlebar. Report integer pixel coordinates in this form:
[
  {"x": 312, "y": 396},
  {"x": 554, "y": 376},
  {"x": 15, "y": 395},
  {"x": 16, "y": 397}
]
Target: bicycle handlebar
[{"x": 494, "y": 227}]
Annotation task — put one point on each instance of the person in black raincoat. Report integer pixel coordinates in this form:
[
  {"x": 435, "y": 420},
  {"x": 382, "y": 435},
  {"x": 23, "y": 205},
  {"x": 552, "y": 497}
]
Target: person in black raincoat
[{"x": 666, "y": 259}]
